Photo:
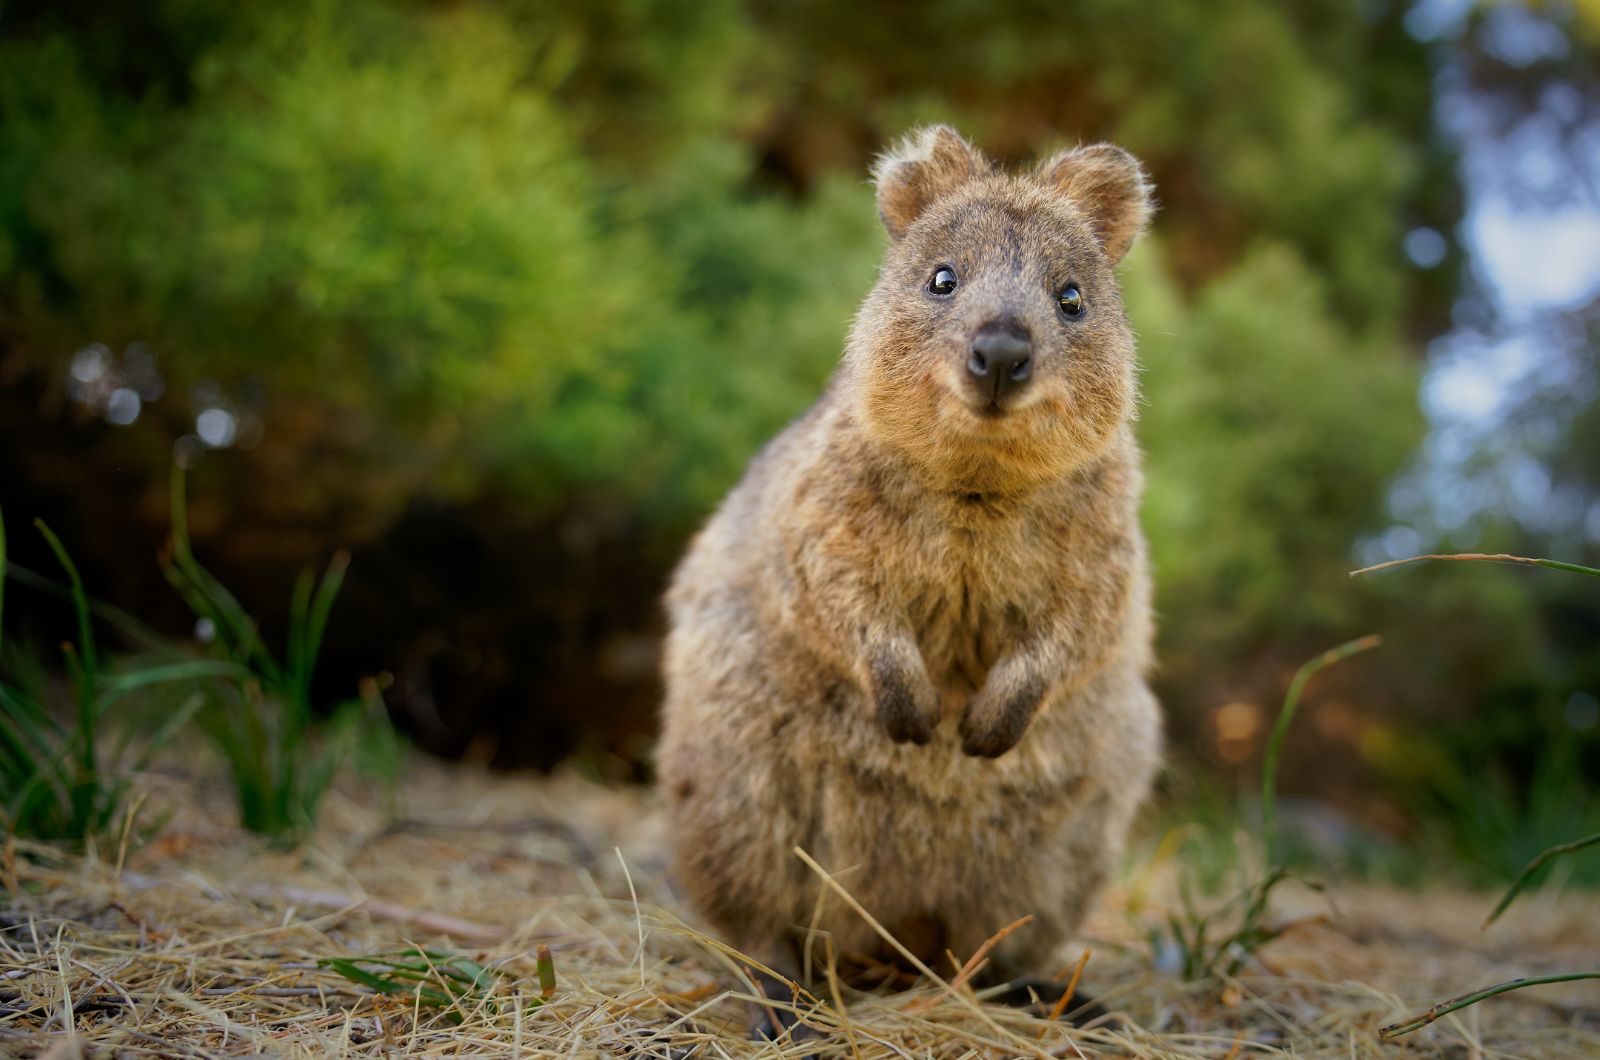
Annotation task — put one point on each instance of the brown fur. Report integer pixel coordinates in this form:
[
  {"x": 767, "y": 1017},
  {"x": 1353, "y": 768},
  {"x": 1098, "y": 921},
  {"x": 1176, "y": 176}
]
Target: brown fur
[{"x": 913, "y": 639}]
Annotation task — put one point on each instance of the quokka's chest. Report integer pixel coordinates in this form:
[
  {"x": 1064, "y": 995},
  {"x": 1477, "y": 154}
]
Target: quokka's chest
[{"x": 969, "y": 598}]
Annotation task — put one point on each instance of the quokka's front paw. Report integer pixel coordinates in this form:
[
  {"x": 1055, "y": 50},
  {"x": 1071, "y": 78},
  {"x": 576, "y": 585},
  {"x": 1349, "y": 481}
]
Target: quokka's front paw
[
  {"x": 907, "y": 705},
  {"x": 999, "y": 714}
]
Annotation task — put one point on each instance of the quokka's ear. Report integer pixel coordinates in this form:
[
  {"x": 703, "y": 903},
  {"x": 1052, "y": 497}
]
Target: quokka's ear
[
  {"x": 1109, "y": 185},
  {"x": 928, "y": 164}
]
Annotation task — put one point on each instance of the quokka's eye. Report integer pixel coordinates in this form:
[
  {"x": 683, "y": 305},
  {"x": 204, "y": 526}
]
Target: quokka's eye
[
  {"x": 1071, "y": 300},
  {"x": 944, "y": 280}
]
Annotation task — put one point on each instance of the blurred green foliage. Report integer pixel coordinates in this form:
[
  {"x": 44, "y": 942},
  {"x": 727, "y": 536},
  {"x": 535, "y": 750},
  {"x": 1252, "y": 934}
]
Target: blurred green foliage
[
  {"x": 1273, "y": 427},
  {"x": 547, "y": 259},
  {"x": 444, "y": 219}
]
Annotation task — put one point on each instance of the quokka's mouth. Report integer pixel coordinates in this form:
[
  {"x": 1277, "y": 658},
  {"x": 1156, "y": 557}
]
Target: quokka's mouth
[
  {"x": 982, "y": 409},
  {"x": 991, "y": 409}
]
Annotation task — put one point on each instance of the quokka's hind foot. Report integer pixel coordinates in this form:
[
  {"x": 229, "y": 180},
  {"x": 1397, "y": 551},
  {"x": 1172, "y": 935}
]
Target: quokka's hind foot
[
  {"x": 779, "y": 1020},
  {"x": 1043, "y": 995}
]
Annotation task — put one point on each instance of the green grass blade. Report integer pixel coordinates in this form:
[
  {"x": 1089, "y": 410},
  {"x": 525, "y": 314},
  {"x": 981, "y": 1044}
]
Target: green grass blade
[
  {"x": 308, "y": 624},
  {"x": 466, "y": 971},
  {"x": 27, "y": 750},
  {"x": 357, "y": 974},
  {"x": 237, "y": 751},
  {"x": 121, "y": 684},
  {"x": 240, "y": 645},
  {"x": 19, "y": 759},
  {"x": 1533, "y": 866},
  {"x": 128, "y": 625},
  {"x": 80, "y": 599},
  {"x": 546, "y": 965},
  {"x": 83, "y": 738},
  {"x": 1484, "y": 557},
  {"x": 207, "y": 596},
  {"x": 1291, "y": 703},
  {"x": 45, "y": 730},
  {"x": 52, "y": 796},
  {"x": 32, "y": 758},
  {"x": 299, "y": 635},
  {"x": 175, "y": 721},
  {"x": 178, "y": 501},
  {"x": 3, "y": 571},
  {"x": 1444, "y": 1008},
  {"x": 315, "y": 780},
  {"x": 437, "y": 964},
  {"x": 396, "y": 968},
  {"x": 1571, "y": 568},
  {"x": 88, "y": 794},
  {"x": 448, "y": 981},
  {"x": 327, "y": 593},
  {"x": 235, "y": 628}
]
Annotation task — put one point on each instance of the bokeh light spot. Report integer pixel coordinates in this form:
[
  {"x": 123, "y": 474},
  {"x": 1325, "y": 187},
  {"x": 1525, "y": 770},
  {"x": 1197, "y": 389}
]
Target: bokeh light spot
[
  {"x": 1425, "y": 247},
  {"x": 217, "y": 427},
  {"x": 123, "y": 406},
  {"x": 1236, "y": 726},
  {"x": 1582, "y": 711},
  {"x": 90, "y": 363}
]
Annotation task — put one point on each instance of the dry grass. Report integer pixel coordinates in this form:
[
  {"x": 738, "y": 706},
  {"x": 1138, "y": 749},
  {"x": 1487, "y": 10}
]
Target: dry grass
[{"x": 206, "y": 942}]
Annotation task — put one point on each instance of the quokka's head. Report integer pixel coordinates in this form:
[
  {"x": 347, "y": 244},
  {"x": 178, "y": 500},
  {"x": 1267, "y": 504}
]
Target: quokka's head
[{"x": 994, "y": 349}]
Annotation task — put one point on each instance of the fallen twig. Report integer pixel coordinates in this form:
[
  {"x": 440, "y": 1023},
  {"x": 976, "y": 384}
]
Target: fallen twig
[
  {"x": 971, "y": 967},
  {"x": 1444, "y": 1008},
  {"x": 1072, "y": 989},
  {"x": 966, "y": 971},
  {"x": 426, "y": 920}
]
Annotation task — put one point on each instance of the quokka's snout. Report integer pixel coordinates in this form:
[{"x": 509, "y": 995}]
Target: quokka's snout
[{"x": 1000, "y": 362}]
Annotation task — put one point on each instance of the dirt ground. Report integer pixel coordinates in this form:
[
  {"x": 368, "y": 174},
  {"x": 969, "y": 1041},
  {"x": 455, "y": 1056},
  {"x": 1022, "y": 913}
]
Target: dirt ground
[{"x": 207, "y": 941}]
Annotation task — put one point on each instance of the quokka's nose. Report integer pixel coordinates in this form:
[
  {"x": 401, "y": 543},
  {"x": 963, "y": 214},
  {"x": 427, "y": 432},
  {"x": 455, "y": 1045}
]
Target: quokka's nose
[{"x": 1001, "y": 358}]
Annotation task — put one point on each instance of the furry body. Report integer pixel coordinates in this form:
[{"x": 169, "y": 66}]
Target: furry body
[{"x": 913, "y": 639}]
